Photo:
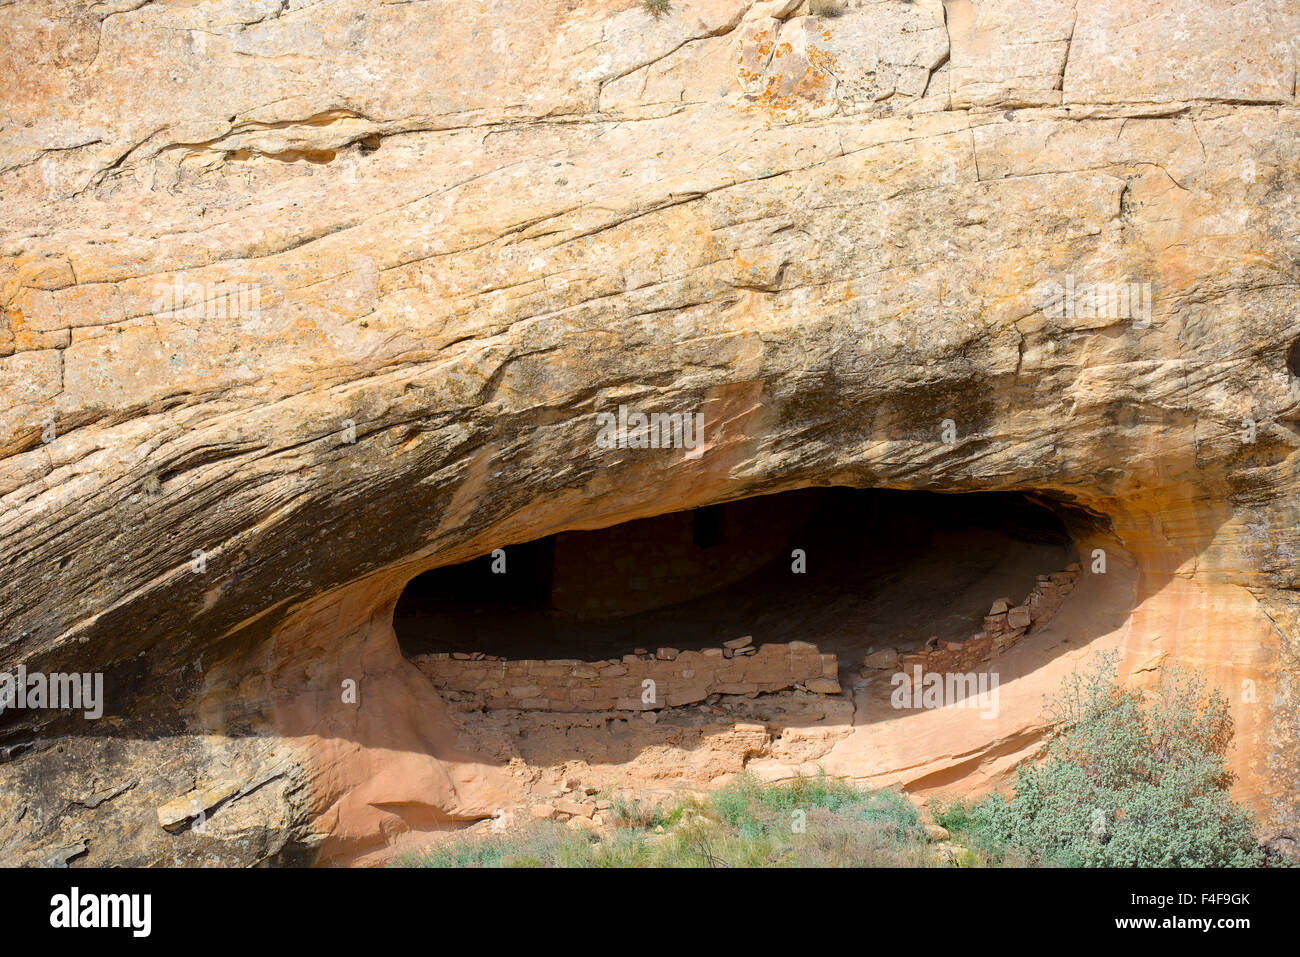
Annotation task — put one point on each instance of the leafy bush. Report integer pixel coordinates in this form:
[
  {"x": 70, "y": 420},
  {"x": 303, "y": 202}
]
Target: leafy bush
[
  {"x": 656, "y": 8},
  {"x": 1127, "y": 779}
]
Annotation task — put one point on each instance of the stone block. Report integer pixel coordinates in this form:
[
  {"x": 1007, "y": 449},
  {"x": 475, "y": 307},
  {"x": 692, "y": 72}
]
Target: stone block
[
  {"x": 883, "y": 659},
  {"x": 575, "y": 808},
  {"x": 735, "y": 687},
  {"x": 822, "y": 685},
  {"x": 995, "y": 623}
]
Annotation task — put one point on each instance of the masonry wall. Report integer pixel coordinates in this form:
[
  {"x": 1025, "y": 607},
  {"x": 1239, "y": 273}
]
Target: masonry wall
[
  {"x": 680, "y": 678},
  {"x": 1004, "y": 626}
]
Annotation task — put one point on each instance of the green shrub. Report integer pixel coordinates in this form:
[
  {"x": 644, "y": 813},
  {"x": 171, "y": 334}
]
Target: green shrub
[
  {"x": 656, "y": 8},
  {"x": 877, "y": 817},
  {"x": 630, "y": 813},
  {"x": 954, "y": 814},
  {"x": 1127, "y": 779},
  {"x": 755, "y": 808}
]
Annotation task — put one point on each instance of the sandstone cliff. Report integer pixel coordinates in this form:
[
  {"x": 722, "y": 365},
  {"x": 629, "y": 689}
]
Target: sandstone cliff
[{"x": 299, "y": 299}]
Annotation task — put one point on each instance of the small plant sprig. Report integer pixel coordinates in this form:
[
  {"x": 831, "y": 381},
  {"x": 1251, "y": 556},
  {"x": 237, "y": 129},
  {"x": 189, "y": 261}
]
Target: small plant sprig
[{"x": 656, "y": 8}]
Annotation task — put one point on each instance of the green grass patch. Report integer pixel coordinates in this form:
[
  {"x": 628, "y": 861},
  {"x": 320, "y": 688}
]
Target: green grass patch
[{"x": 806, "y": 822}]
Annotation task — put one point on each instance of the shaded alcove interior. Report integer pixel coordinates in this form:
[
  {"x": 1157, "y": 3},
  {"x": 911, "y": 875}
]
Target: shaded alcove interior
[{"x": 882, "y": 568}]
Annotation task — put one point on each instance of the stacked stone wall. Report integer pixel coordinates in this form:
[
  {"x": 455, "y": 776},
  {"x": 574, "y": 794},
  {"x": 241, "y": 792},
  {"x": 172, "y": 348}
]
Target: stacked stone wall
[{"x": 677, "y": 677}]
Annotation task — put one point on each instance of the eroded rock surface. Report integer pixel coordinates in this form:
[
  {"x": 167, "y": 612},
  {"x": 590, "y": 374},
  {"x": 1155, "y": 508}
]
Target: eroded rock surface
[{"x": 300, "y": 299}]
